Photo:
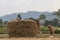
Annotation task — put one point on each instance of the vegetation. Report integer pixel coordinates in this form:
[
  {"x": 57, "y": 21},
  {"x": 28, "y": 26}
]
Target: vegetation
[
  {"x": 57, "y": 13},
  {"x": 53, "y": 22},
  {"x": 44, "y": 30},
  {"x": 3, "y": 28}
]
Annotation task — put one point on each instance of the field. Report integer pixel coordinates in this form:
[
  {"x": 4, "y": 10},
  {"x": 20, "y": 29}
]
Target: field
[
  {"x": 43, "y": 37},
  {"x": 40, "y": 36},
  {"x": 30, "y": 39}
]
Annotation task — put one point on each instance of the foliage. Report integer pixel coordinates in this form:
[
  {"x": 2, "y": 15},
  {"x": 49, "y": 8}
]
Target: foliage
[
  {"x": 53, "y": 22},
  {"x": 1, "y": 21},
  {"x": 45, "y": 30},
  {"x": 42, "y": 16},
  {"x": 3, "y": 30},
  {"x": 57, "y": 13},
  {"x": 5, "y": 22}
]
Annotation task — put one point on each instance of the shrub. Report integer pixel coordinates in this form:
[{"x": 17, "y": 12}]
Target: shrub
[{"x": 57, "y": 31}]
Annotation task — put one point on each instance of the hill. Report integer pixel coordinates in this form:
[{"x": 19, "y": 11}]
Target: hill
[{"x": 34, "y": 14}]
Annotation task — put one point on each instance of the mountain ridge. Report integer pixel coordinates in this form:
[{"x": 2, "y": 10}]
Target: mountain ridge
[{"x": 34, "y": 14}]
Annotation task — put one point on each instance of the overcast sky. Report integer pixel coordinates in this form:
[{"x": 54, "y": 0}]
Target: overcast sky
[{"x": 12, "y": 6}]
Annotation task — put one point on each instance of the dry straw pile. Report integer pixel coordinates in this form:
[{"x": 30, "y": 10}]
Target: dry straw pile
[{"x": 22, "y": 28}]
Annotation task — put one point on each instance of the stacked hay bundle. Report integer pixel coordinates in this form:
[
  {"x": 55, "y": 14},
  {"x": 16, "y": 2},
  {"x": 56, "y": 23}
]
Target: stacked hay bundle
[{"x": 22, "y": 28}]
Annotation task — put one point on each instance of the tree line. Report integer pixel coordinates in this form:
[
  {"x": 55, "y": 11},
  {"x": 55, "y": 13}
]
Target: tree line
[{"x": 54, "y": 22}]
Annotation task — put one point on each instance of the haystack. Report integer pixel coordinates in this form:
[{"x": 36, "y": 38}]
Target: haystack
[{"x": 22, "y": 28}]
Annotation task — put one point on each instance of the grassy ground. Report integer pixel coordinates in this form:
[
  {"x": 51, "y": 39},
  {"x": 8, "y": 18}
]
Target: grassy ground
[
  {"x": 40, "y": 36},
  {"x": 30, "y": 39}
]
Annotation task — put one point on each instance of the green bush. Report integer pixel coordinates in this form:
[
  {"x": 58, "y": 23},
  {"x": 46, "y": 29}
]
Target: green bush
[
  {"x": 45, "y": 30},
  {"x": 3, "y": 31},
  {"x": 57, "y": 31}
]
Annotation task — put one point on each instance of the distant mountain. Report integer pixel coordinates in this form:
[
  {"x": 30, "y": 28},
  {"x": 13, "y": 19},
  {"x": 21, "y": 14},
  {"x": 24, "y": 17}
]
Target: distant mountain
[{"x": 34, "y": 14}]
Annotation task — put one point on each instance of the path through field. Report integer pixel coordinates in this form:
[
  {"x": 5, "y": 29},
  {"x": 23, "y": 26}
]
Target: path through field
[
  {"x": 30, "y": 39},
  {"x": 40, "y": 36},
  {"x": 43, "y": 37}
]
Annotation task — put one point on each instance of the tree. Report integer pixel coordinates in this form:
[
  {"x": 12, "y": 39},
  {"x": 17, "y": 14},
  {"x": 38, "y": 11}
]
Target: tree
[
  {"x": 53, "y": 22},
  {"x": 1, "y": 21},
  {"x": 42, "y": 17},
  {"x": 46, "y": 22},
  {"x": 58, "y": 14},
  {"x": 5, "y": 22}
]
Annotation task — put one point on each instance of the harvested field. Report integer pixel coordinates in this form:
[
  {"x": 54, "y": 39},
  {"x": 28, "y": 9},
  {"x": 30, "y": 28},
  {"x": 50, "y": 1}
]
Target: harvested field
[
  {"x": 30, "y": 39},
  {"x": 45, "y": 37},
  {"x": 41, "y": 36}
]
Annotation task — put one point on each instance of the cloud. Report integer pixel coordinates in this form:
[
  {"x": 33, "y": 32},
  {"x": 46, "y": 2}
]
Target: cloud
[{"x": 10, "y": 6}]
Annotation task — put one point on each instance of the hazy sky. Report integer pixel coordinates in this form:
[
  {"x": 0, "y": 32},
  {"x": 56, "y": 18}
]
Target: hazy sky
[{"x": 12, "y": 6}]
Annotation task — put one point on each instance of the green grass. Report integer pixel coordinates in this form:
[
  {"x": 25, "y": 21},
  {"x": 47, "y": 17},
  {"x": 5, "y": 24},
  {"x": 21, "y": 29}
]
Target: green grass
[
  {"x": 40, "y": 36},
  {"x": 3, "y": 30},
  {"x": 44, "y": 30}
]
